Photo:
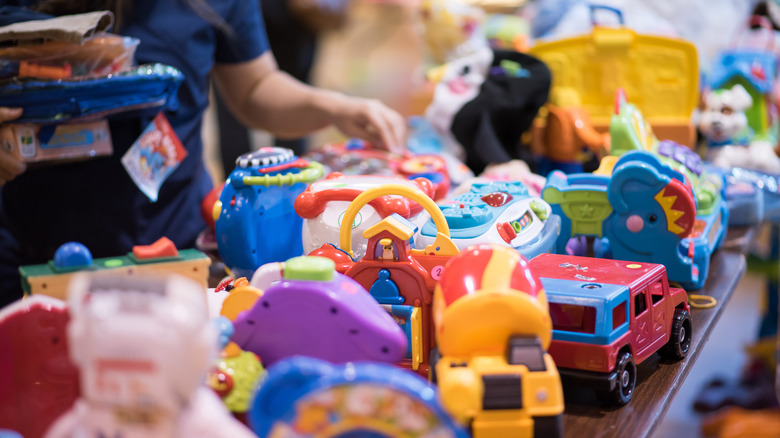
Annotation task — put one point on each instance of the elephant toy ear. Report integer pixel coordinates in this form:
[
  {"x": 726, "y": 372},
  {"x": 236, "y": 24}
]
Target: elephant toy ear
[
  {"x": 635, "y": 182},
  {"x": 632, "y": 182},
  {"x": 679, "y": 206}
]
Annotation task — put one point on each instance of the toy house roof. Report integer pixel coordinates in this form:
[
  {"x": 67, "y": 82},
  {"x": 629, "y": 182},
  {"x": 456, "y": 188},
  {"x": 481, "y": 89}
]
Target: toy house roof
[
  {"x": 395, "y": 224},
  {"x": 757, "y": 67}
]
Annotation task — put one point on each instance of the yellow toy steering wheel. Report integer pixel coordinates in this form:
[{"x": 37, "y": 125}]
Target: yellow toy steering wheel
[{"x": 442, "y": 245}]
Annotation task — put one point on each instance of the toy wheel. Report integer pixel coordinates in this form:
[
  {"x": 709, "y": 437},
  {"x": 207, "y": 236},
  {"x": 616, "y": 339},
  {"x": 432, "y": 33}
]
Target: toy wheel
[
  {"x": 680, "y": 339},
  {"x": 433, "y": 359},
  {"x": 625, "y": 369}
]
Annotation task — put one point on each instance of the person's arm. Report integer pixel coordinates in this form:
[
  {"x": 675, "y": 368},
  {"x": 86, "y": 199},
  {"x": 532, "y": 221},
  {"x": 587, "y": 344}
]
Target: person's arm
[
  {"x": 263, "y": 97},
  {"x": 10, "y": 166}
]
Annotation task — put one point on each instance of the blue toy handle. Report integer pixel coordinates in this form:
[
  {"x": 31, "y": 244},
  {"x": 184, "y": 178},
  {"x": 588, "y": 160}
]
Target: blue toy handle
[{"x": 616, "y": 11}]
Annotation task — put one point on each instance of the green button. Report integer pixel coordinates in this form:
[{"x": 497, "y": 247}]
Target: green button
[
  {"x": 113, "y": 263},
  {"x": 309, "y": 268}
]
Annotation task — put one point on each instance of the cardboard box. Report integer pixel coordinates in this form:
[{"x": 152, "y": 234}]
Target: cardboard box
[{"x": 32, "y": 143}]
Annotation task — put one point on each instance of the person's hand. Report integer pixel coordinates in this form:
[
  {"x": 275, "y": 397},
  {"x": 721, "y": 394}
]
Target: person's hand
[
  {"x": 10, "y": 166},
  {"x": 371, "y": 120}
]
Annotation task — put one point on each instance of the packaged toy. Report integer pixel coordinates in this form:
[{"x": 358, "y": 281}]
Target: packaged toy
[{"x": 46, "y": 101}]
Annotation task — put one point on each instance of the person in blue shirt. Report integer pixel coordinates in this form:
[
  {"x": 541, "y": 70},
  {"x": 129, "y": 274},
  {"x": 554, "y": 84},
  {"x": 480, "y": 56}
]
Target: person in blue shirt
[{"x": 95, "y": 202}]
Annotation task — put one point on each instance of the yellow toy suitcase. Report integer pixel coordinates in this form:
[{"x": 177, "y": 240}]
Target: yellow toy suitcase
[{"x": 660, "y": 74}]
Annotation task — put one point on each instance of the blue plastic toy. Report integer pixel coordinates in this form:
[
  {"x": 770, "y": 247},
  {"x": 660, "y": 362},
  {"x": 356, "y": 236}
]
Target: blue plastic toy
[
  {"x": 72, "y": 256},
  {"x": 646, "y": 210},
  {"x": 56, "y": 101},
  {"x": 752, "y": 196},
  {"x": 257, "y": 223},
  {"x": 302, "y": 396},
  {"x": 498, "y": 212}
]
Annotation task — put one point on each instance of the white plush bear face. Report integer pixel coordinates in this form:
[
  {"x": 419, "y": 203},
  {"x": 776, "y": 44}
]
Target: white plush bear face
[{"x": 724, "y": 114}]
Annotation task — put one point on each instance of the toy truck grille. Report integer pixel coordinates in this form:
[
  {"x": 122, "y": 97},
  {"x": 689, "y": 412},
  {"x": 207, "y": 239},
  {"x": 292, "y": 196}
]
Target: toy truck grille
[{"x": 502, "y": 391}]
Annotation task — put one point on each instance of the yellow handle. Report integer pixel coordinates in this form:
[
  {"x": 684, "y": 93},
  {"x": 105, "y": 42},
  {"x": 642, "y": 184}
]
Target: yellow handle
[{"x": 388, "y": 189}]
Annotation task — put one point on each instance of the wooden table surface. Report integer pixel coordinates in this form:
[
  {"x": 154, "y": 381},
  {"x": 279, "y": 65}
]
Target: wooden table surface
[{"x": 657, "y": 380}]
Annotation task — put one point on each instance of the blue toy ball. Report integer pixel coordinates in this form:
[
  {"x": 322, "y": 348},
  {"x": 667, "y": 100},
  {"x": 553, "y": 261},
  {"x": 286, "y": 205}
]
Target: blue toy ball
[{"x": 72, "y": 255}]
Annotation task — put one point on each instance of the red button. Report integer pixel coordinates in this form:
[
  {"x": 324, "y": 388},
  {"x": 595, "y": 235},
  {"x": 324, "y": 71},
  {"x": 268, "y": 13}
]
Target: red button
[
  {"x": 506, "y": 231},
  {"x": 496, "y": 199}
]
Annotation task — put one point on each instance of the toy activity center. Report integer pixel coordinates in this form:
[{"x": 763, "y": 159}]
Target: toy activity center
[{"x": 581, "y": 190}]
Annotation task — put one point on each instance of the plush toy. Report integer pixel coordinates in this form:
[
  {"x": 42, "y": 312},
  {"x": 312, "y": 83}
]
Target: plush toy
[
  {"x": 484, "y": 101},
  {"x": 730, "y": 142},
  {"x": 723, "y": 120}
]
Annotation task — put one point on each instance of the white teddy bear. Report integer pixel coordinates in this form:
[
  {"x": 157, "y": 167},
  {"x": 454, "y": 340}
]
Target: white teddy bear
[{"x": 724, "y": 124}]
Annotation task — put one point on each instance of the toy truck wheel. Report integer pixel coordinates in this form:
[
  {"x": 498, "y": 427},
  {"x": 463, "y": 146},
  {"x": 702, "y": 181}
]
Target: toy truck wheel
[
  {"x": 625, "y": 371},
  {"x": 680, "y": 339}
]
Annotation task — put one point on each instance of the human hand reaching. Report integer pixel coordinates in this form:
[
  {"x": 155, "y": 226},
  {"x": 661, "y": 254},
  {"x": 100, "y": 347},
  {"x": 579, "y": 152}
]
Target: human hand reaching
[
  {"x": 370, "y": 120},
  {"x": 10, "y": 165}
]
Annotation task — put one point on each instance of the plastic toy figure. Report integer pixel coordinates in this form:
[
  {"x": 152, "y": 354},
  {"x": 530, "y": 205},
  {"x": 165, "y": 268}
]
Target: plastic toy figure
[
  {"x": 493, "y": 330},
  {"x": 143, "y": 345},
  {"x": 317, "y": 312},
  {"x": 236, "y": 373},
  {"x": 323, "y": 203},
  {"x": 565, "y": 137},
  {"x": 608, "y": 316},
  {"x": 404, "y": 287},
  {"x": 303, "y": 396},
  {"x": 498, "y": 212},
  {"x": 257, "y": 223},
  {"x": 38, "y": 382}
]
